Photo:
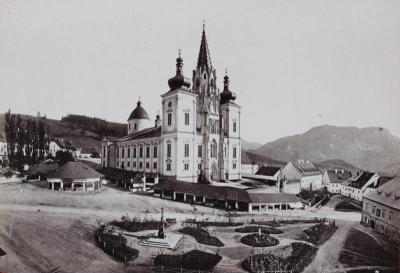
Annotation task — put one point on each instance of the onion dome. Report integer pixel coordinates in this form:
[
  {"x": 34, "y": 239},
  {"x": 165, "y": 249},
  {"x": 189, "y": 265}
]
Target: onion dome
[
  {"x": 227, "y": 95},
  {"x": 178, "y": 81},
  {"x": 139, "y": 112}
]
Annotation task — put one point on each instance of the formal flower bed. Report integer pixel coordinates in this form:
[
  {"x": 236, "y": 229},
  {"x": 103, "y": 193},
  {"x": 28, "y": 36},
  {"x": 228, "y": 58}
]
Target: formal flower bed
[
  {"x": 259, "y": 240},
  {"x": 263, "y": 229},
  {"x": 202, "y": 236},
  {"x": 194, "y": 260},
  {"x": 135, "y": 224},
  {"x": 266, "y": 223},
  {"x": 115, "y": 245},
  {"x": 319, "y": 233},
  {"x": 302, "y": 255}
]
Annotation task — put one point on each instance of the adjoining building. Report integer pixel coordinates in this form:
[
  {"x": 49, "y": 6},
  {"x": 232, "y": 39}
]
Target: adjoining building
[
  {"x": 225, "y": 197},
  {"x": 356, "y": 186},
  {"x": 299, "y": 175},
  {"x": 3, "y": 150},
  {"x": 381, "y": 209},
  {"x": 74, "y": 176},
  {"x": 248, "y": 169},
  {"x": 333, "y": 180},
  {"x": 196, "y": 138},
  {"x": 270, "y": 174}
]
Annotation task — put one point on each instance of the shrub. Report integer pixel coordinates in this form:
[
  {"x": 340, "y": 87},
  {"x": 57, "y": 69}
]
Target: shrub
[
  {"x": 257, "y": 240},
  {"x": 265, "y": 230},
  {"x": 319, "y": 233},
  {"x": 202, "y": 236},
  {"x": 115, "y": 245},
  {"x": 302, "y": 254},
  {"x": 134, "y": 225},
  {"x": 8, "y": 174},
  {"x": 194, "y": 259}
]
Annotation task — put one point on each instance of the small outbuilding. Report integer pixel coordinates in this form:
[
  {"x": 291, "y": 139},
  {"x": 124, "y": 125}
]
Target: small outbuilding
[{"x": 74, "y": 176}]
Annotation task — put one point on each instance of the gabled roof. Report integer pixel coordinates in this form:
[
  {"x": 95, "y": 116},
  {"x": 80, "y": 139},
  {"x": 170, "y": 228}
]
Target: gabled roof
[
  {"x": 387, "y": 194},
  {"x": 74, "y": 170},
  {"x": 338, "y": 176},
  {"x": 145, "y": 133},
  {"x": 268, "y": 170},
  {"x": 306, "y": 167},
  {"x": 359, "y": 181}
]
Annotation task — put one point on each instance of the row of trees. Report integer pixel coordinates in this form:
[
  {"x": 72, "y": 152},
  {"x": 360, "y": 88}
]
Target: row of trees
[{"x": 27, "y": 140}]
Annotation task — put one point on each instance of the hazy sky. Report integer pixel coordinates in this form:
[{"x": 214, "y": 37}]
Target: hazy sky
[{"x": 294, "y": 64}]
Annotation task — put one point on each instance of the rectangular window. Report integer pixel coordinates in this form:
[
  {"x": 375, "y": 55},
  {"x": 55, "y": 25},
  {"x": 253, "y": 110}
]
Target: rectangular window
[
  {"x": 168, "y": 150},
  {"x": 186, "y": 150},
  {"x": 378, "y": 212},
  {"x": 169, "y": 119},
  {"x": 199, "y": 166},
  {"x": 128, "y": 154},
  {"x": 155, "y": 152},
  {"x": 234, "y": 152},
  {"x": 390, "y": 215},
  {"x": 155, "y": 165},
  {"x": 128, "y": 163},
  {"x": 123, "y": 152},
  {"x": 117, "y": 152},
  {"x": 373, "y": 209},
  {"x": 140, "y": 165},
  {"x": 104, "y": 151},
  {"x": 234, "y": 166},
  {"x": 225, "y": 152},
  {"x": 234, "y": 126},
  {"x": 383, "y": 213},
  {"x": 186, "y": 166},
  {"x": 168, "y": 166},
  {"x": 186, "y": 118},
  {"x": 134, "y": 152},
  {"x": 147, "y": 165},
  {"x": 134, "y": 164},
  {"x": 199, "y": 151},
  {"x": 117, "y": 164},
  {"x": 147, "y": 151},
  {"x": 141, "y": 152}
]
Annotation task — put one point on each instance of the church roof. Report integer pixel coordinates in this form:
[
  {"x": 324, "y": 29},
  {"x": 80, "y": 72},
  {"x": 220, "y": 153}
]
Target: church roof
[
  {"x": 204, "y": 60},
  {"x": 145, "y": 133},
  {"x": 138, "y": 112}
]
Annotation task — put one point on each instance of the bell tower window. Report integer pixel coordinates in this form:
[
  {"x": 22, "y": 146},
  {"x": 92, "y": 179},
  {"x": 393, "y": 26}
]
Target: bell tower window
[{"x": 169, "y": 119}]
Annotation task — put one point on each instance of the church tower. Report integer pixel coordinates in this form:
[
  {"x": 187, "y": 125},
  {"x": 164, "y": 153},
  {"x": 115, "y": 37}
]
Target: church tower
[{"x": 207, "y": 112}]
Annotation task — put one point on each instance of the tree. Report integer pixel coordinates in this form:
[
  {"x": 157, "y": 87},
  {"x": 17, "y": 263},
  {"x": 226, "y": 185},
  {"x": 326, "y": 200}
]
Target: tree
[
  {"x": 63, "y": 157},
  {"x": 9, "y": 128},
  {"x": 20, "y": 158}
]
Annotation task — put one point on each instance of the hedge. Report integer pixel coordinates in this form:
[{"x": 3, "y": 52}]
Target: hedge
[
  {"x": 194, "y": 259},
  {"x": 202, "y": 236},
  {"x": 257, "y": 240}
]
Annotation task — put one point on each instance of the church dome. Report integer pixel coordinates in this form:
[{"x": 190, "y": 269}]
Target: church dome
[
  {"x": 139, "y": 112},
  {"x": 178, "y": 80}
]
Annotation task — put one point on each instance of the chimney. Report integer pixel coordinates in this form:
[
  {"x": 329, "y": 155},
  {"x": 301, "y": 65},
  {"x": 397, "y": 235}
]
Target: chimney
[
  {"x": 335, "y": 171},
  {"x": 342, "y": 171},
  {"x": 157, "y": 121}
]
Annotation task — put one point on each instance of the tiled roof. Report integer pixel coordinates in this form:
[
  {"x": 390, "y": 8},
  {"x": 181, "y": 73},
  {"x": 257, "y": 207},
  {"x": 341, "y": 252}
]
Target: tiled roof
[
  {"x": 338, "y": 176},
  {"x": 145, "y": 133},
  {"x": 387, "y": 194},
  {"x": 359, "y": 181},
  {"x": 306, "y": 167},
  {"x": 268, "y": 170},
  {"x": 42, "y": 168},
  {"x": 74, "y": 170},
  {"x": 226, "y": 193}
]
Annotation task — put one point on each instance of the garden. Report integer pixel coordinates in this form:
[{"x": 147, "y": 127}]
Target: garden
[
  {"x": 319, "y": 233},
  {"x": 194, "y": 259},
  {"x": 302, "y": 254},
  {"x": 259, "y": 240},
  {"x": 114, "y": 245},
  {"x": 135, "y": 224},
  {"x": 202, "y": 236}
]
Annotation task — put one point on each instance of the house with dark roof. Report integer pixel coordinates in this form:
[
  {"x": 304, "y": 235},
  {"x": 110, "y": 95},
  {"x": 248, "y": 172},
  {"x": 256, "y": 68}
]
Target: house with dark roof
[
  {"x": 333, "y": 180},
  {"x": 269, "y": 174},
  {"x": 226, "y": 197},
  {"x": 301, "y": 174},
  {"x": 356, "y": 186},
  {"x": 75, "y": 176},
  {"x": 381, "y": 208}
]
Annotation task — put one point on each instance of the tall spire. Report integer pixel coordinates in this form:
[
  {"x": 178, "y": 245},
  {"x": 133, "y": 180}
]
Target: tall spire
[{"x": 204, "y": 60}]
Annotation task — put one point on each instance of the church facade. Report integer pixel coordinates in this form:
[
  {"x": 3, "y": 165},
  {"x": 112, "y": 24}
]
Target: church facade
[{"x": 196, "y": 138}]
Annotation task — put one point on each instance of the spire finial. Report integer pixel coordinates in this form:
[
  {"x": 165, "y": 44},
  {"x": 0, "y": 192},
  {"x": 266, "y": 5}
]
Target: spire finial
[
  {"x": 204, "y": 24},
  {"x": 179, "y": 52},
  {"x": 226, "y": 71}
]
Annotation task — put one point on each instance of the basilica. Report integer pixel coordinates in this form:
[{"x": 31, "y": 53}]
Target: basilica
[{"x": 197, "y": 136}]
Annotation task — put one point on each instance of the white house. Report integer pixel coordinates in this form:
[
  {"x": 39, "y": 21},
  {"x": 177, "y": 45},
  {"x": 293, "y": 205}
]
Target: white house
[
  {"x": 3, "y": 150},
  {"x": 56, "y": 145},
  {"x": 196, "y": 138},
  {"x": 301, "y": 175},
  {"x": 381, "y": 209},
  {"x": 333, "y": 180},
  {"x": 248, "y": 169}
]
